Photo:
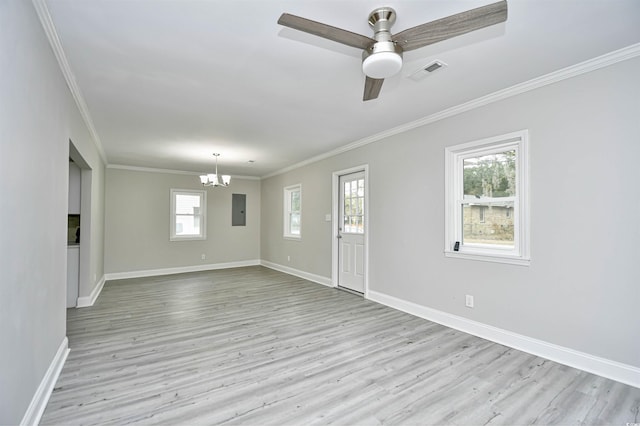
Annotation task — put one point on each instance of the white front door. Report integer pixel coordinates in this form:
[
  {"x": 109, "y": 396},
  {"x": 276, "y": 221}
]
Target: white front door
[{"x": 351, "y": 223}]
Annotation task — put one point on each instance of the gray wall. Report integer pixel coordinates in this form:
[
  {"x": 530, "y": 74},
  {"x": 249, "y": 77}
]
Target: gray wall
[
  {"x": 310, "y": 252},
  {"x": 37, "y": 118},
  {"x": 137, "y": 223},
  {"x": 581, "y": 289}
]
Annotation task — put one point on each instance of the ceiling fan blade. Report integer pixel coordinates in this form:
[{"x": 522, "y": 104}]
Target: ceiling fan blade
[
  {"x": 326, "y": 31},
  {"x": 451, "y": 26},
  {"x": 372, "y": 88}
]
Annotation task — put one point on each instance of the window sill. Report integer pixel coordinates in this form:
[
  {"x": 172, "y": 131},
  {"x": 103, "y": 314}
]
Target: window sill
[
  {"x": 292, "y": 237},
  {"x": 510, "y": 260},
  {"x": 187, "y": 238}
]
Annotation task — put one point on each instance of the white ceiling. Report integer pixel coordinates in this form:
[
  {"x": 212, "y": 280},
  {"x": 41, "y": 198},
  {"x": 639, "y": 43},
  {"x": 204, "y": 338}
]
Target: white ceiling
[{"x": 167, "y": 83}]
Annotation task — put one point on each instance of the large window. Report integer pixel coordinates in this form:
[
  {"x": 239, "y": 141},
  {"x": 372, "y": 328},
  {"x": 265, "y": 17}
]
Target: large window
[
  {"x": 487, "y": 200},
  {"x": 188, "y": 215},
  {"x": 293, "y": 211}
]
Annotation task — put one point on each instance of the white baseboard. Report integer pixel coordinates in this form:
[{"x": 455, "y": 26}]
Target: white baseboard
[
  {"x": 614, "y": 370},
  {"x": 43, "y": 393},
  {"x": 86, "y": 301},
  {"x": 179, "y": 270},
  {"x": 298, "y": 273}
]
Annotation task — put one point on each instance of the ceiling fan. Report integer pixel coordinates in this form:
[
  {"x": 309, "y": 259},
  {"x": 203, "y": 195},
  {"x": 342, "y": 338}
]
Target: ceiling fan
[{"x": 382, "y": 54}]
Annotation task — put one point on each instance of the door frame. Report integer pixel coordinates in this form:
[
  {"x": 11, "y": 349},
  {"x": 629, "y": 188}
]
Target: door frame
[
  {"x": 335, "y": 213},
  {"x": 86, "y": 220}
]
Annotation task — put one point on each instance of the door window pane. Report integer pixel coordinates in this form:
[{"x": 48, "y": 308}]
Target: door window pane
[{"x": 353, "y": 206}]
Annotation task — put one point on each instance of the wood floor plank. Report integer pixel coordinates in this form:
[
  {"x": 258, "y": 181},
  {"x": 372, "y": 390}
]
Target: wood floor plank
[{"x": 256, "y": 346}]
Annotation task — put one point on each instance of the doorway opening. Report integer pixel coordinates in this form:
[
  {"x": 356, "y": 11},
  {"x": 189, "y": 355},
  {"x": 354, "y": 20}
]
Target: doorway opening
[{"x": 78, "y": 254}]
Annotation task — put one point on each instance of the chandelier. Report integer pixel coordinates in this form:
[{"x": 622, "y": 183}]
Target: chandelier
[{"x": 213, "y": 179}]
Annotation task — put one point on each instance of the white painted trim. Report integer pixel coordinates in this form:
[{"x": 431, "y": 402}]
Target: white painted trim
[
  {"x": 298, "y": 273},
  {"x": 594, "y": 64},
  {"x": 614, "y": 370},
  {"x": 87, "y": 301},
  {"x": 335, "y": 213},
  {"x": 169, "y": 171},
  {"x": 50, "y": 30},
  {"x": 488, "y": 258},
  {"x": 286, "y": 210},
  {"x": 453, "y": 164},
  {"x": 179, "y": 270},
  {"x": 41, "y": 397},
  {"x": 202, "y": 194}
]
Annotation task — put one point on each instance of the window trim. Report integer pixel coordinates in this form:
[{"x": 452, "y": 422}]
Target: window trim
[
  {"x": 288, "y": 190},
  {"x": 203, "y": 215},
  {"x": 454, "y": 156}
]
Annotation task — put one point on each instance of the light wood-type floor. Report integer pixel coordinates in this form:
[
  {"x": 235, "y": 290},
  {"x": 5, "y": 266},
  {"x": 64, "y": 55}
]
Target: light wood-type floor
[{"x": 255, "y": 346}]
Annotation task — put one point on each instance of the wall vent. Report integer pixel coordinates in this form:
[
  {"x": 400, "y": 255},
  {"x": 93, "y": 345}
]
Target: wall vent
[{"x": 426, "y": 70}]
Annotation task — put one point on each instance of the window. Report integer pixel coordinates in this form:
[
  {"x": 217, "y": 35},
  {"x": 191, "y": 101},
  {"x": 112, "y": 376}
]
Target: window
[
  {"x": 188, "y": 215},
  {"x": 353, "y": 214},
  {"x": 487, "y": 200},
  {"x": 293, "y": 211}
]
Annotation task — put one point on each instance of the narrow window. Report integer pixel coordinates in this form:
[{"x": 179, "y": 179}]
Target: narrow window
[
  {"x": 188, "y": 215},
  {"x": 293, "y": 211},
  {"x": 487, "y": 199},
  {"x": 353, "y": 214}
]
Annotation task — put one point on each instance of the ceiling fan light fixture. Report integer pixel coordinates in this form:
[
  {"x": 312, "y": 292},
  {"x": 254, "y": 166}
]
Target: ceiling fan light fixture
[
  {"x": 384, "y": 61},
  {"x": 382, "y": 55}
]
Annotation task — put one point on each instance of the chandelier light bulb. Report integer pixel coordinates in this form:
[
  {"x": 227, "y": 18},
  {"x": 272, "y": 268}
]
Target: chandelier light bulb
[{"x": 213, "y": 179}]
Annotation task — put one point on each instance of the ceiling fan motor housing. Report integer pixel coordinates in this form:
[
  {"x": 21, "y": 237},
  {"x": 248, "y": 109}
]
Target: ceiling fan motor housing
[
  {"x": 384, "y": 58},
  {"x": 381, "y": 20}
]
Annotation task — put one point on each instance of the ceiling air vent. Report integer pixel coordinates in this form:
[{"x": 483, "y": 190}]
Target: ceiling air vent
[{"x": 426, "y": 70}]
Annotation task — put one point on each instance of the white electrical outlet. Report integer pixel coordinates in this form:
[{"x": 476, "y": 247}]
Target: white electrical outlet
[
  {"x": 203, "y": 256},
  {"x": 288, "y": 258},
  {"x": 468, "y": 301}
]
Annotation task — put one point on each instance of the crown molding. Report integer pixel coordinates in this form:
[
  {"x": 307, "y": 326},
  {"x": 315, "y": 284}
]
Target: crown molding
[
  {"x": 169, "y": 171},
  {"x": 56, "y": 45},
  {"x": 602, "y": 61},
  {"x": 605, "y": 60}
]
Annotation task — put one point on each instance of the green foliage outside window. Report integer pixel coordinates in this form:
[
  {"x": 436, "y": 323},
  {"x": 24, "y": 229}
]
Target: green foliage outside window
[{"x": 491, "y": 175}]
